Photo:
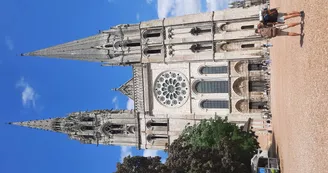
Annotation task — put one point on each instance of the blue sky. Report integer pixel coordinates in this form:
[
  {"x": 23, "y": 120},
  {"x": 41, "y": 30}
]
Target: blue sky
[{"x": 39, "y": 88}]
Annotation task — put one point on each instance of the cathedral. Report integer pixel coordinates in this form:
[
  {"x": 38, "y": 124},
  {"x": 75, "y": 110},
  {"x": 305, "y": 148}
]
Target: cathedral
[{"x": 185, "y": 69}]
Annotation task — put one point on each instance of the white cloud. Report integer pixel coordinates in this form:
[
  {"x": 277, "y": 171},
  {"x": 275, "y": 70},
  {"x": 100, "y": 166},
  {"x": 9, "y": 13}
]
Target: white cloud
[
  {"x": 115, "y": 102},
  {"x": 125, "y": 151},
  {"x": 213, "y": 5},
  {"x": 151, "y": 153},
  {"x": 149, "y": 1},
  {"x": 130, "y": 104},
  {"x": 166, "y": 8},
  {"x": 29, "y": 96},
  {"x": 9, "y": 43},
  {"x": 177, "y": 7},
  {"x": 138, "y": 16}
]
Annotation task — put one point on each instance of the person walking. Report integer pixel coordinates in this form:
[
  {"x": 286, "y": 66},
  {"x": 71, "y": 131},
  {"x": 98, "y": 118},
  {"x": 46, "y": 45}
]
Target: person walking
[{"x": 271, "y": 32}]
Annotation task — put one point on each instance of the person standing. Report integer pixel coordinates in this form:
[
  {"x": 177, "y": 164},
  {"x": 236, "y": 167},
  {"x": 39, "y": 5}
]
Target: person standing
[
  {"x": 270, "y": 17},
  {"x": 271, "y": 32}
]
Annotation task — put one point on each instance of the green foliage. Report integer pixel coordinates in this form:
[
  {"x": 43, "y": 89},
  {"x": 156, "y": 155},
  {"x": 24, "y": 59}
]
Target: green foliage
[
  {"x": 140, "y": 164},
  {"x": 209, "y": 134},
  {"x": 212, "y": 146}
]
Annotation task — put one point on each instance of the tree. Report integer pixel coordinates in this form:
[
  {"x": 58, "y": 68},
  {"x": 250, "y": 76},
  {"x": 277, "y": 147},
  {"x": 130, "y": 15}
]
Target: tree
[
  {"x": 185, "y": 158},
  {"x": 213, "y": 145},
  {"x": 140, "y": 164}
]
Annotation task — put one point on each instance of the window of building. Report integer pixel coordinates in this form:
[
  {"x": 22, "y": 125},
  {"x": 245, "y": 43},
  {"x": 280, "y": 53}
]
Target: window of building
[
  {"x": 212, "y": 87},
  {"x": 171, "y": 88},
  {"x": 214, "y": 70},
  {"x": 152, "y": 123},
  {"x": 257, "y": 86},
  {"x": 108, "y": 45},
  {"x": 153, "y": 51},
  {"x": 248, "y": 27},
  {"x": 214, "y": 104},
  {"x": 152, "y": 34},
  {"x": 132, "y": 44},
  {"x": 198, "y": 48},
  {"x": 152, "y": 138},
  {"x": 111, "y": 129},
  {"x": 196, "y": 31},
  {"x": 247, "y": 46},
  {"x": 254, "y": 67}
]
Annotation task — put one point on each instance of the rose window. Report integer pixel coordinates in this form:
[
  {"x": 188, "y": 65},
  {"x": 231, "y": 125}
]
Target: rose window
[{"x": 171, "y": 89}]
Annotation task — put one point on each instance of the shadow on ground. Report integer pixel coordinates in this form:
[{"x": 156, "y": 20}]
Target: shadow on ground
[{"x": 274, "y": 150}]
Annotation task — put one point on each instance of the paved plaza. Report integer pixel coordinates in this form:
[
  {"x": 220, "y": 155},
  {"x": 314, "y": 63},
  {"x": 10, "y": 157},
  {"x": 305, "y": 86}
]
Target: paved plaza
[{"x": 300, "y": 90}]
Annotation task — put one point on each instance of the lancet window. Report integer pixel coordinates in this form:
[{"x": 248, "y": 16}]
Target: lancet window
[
  {"x": 214, "y": 104},
  {"x": 213, "y": 70},
  {"x": 212, "y": 87}
]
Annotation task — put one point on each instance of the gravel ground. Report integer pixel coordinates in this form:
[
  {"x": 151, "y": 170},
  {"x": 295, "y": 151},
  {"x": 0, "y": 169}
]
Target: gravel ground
[{"x": 300, "y": 90}]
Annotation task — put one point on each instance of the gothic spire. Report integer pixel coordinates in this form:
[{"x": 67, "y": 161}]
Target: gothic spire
[
  {"x": 107, "y": 127},
  {"x": 51, "y": 124},
  {"x": 84, "y": 49},
  {"x": 110, "y": 47}
]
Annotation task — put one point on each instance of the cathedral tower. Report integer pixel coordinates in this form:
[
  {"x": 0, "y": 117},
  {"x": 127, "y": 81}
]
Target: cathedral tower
[{"x": 107, "y": 127}]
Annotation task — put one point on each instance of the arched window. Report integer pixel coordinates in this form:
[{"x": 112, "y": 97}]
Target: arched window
[
  {"x": 212, "y": 87},
  {"x": 214, "y": 70},
  {"x": 152, "y": 33},
  {"x": 152, "y": 138},
  {"x": 111, "y": 129},
  {"x": 152, "y": 123},
  {"x": 214, "y": 104},
  {"x": 153, "y": 50}
]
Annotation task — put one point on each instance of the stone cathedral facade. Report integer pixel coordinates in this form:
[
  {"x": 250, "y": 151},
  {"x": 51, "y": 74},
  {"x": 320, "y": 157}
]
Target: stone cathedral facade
[{"x": 185, "y": 69}]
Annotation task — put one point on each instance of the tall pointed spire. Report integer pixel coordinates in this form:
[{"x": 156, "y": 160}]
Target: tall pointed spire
[
  {"x": 107, "y": 127},
  {"x": 47, "y": 124},
  {"x": 83, "y": 49},
  {"x": 110, "y": 47}
]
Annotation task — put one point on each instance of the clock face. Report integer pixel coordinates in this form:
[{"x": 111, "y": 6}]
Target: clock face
[{"x": 171, "y": 89}]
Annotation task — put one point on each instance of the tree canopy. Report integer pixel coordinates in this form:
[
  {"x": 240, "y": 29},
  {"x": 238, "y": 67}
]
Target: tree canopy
[
  {"x": 140, "y": 164},
  {"x": 211, "y": 146}
]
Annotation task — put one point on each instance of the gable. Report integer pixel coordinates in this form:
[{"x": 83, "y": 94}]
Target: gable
[{"x": 127, "y": 89}]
